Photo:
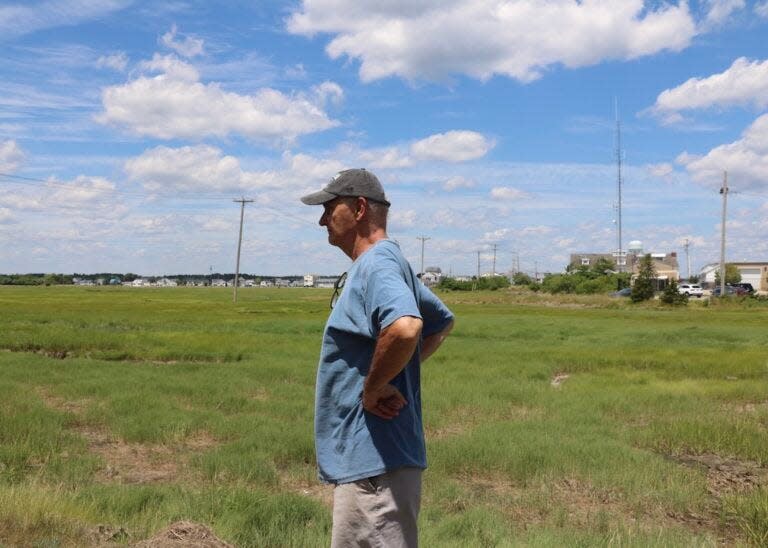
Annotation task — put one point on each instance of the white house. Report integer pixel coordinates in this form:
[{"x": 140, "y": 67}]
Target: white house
[{"x": 752, "y": 273}]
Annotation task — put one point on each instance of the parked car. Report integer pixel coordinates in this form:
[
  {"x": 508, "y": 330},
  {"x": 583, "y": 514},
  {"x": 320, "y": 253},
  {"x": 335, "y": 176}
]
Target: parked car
[
  {"x": 747, "y": 287},
  {"x": 692, "y": 290},
  {"x": 626, "y": 292},
  {"x": 730, "y": 290}
]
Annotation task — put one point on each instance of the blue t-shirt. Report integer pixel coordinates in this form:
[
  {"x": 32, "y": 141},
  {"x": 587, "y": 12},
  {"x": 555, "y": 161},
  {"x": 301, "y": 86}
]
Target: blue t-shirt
[{"x": 351, "y": 443}]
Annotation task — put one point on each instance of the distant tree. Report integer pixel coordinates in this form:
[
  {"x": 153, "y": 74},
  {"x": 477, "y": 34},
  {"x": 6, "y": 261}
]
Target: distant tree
[
  {"x": 643, "y": 288},
  {"x": 732, "y": 274},
  {"x": 672, "y": 296},
  {"x": 693, "y": 279},
  {"x": 521, "y": 278}
]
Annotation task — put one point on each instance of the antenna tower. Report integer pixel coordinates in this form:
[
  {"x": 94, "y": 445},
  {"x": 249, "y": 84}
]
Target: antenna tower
[{"x": 620, "y": 257}]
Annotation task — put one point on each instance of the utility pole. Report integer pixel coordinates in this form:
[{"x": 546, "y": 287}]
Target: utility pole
[
  {"x": 423, "y": 239},
  {"x": 493, "y": 272},
  {"x": 687, "y": 245},
  {"x": 536, "y": 271},
  {"x": 724, "y": 192},
  {"x": 478, "y": 265},
  {"x": 242, "y": 202}
]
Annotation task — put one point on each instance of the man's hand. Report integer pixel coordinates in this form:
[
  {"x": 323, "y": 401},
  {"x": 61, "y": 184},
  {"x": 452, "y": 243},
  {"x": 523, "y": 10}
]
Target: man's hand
[{"x": 385, "y": 402}]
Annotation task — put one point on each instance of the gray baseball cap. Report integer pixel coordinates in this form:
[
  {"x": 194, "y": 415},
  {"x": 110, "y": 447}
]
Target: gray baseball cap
[{"x": 350, "y": 182}]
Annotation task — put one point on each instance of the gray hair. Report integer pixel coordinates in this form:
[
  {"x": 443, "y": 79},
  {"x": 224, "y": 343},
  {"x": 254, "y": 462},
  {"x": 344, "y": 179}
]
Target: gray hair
[{"x": 378, "y": 212}]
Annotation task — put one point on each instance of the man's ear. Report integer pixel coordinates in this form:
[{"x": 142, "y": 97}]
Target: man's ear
[{"x": 362, "y": 207}]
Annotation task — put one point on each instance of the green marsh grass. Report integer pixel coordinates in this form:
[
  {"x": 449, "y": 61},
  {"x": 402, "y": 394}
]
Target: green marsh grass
[{"x": 221, "y": 395}]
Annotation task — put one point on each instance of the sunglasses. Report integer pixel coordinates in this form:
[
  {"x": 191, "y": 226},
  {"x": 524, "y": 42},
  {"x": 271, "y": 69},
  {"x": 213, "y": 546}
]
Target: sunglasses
[{"x": 337, "y": 287}]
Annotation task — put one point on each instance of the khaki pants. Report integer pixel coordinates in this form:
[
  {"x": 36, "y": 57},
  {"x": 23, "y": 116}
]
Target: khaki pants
[{"x": 378, "y": 512}]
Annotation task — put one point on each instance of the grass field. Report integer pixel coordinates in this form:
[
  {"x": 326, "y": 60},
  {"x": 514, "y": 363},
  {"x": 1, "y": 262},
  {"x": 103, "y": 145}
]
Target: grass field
[{"x": 550, "y": 422}]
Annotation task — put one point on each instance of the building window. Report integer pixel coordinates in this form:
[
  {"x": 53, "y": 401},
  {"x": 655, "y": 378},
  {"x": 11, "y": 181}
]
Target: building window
[{"x": 584, "y": 261}]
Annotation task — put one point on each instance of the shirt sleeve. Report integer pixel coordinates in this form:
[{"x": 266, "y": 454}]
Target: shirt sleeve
[
  {"x": 387, "y": 295},
  {"x": 435, "y": 314}
]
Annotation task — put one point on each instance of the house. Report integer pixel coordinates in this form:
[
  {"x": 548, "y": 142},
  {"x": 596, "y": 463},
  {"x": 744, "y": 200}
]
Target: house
[
  {"x": 432, "y": 275},
  {"x": 665, "y": 265},
  {"x": 166, "y": 282},
  {"x": 325, "y": 281},
  {"x": 754, "y": 273},
  {"x": 140, "y": 282},
  {"x": 309, "y": 280},
  {"x": 218, "y": 282}
]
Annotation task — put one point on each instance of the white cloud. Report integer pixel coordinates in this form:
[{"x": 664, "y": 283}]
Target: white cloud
[
  {"x": 187, "y": 47},
  {"x": 215, "y": 225},
  {"x": 83, "y": 190},
  {"x": 11, "y": 156},
  {"x": 329, "y": 92},
  {"x": 744, "y": 83},
  {"x": 6, "y": 216},
  {"x": 745, "y": 160},
  {"x": 20, "y": 19},
  {"x": 386, "y": 158},
  {"x": 506, "y": 193},
  {"x": 720, "y": 10},
  {"x": 457, "y": 182},
  {"x": 452, "y": 146},
  {"x": 403, "y": 219},
  {"x": 539, "y": 230},
  {"x": 663, "y": 170},
  {"x": 116, "y": 61},
  {"x": 174, "y": 104},
  {"x": 481, "y": 38},
  {"x": 204, "y": 168},
  {"x": 496, "y": 235},
  {"x": 190, "y": 168},
  {"x": 761, "y": 9}
]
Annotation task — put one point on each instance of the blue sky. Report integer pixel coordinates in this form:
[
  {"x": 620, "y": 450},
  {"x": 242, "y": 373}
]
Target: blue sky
[{"x": 127, "y": 129}]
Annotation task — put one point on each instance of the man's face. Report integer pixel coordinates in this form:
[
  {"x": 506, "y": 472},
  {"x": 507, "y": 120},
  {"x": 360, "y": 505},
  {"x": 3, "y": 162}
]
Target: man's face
[{"x": 339, "y": 219}]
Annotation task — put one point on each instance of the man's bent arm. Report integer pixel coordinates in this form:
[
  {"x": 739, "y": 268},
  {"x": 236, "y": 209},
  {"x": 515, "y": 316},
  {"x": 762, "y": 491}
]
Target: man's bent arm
[
  {"x": 430, "y": 344},
  {"x": 394, "y": 348}
]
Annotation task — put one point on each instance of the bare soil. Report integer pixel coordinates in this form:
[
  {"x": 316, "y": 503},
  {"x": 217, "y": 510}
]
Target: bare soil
[
  {"x": 133, "y": 463},
  {"x": 725, "y": 476},
  {"x": 184, "y": 533}
]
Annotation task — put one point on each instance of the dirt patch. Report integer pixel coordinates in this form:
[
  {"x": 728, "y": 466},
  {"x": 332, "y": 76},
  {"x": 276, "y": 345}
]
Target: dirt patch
[
  {"x": 76, "y": 407},
  {"x": 750, "y": 407},
  {"x": 106, "y": 534},
  {"x": 187, "y": 534},
  {"x": 141, "y": 463},
  {"x": 132, "y": 463},
  {"x": 576, "y": 502},
  {"x": 726, "y": 475},
  {"x": 463, "y": 419}
]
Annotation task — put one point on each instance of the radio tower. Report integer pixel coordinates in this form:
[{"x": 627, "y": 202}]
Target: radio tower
[{"x": 620, "y": 257}]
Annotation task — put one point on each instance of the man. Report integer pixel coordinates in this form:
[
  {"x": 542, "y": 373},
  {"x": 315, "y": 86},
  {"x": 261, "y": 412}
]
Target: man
[{"x": 383, "y": 324}]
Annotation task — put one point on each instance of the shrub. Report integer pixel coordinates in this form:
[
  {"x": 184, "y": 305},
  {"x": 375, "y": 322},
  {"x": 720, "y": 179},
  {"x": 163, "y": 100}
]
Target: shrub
[{"x": 672, "y": 295}]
